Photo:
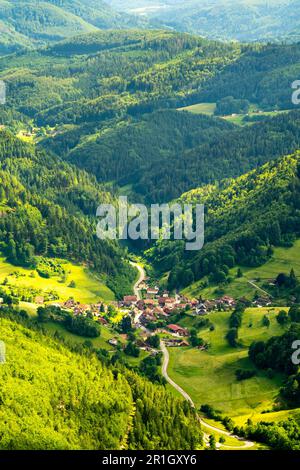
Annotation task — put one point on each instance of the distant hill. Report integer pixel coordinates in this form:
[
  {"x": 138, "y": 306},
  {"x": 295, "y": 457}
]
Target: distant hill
[
  {"x": 242, "y": 20},
  {"x": 31, "y": 23},
  {"x": 109, "y": 93}
]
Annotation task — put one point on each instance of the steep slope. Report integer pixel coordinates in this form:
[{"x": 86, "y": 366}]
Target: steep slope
[
  {"x": 168, "y": 152},
  {"x": 56, "y": 399},
  {"x": 244, "y": 219},
  {"x": 155, "y": 141},
  {"x": 49, "y": 208}
]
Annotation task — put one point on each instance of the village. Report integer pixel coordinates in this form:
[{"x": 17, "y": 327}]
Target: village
[{"x": 153, "y": 311}]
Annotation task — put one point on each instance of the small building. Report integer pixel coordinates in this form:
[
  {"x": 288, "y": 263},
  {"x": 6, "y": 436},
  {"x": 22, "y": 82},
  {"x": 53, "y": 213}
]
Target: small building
[
  {"x": 70, "y": 303},
  {"x": 140, "y": 304},
  {"x": 159, "y": 311},
  {"x": 152, "y": 292},
  {"x": 129, "y": 300},
  {"x": 201, "y": 309},
  {"x": 178, "y": 330},
  {"x": 39, "y": 300},
  {"x": 226, "y": 300},
  {"x": 176, "y": 343}
]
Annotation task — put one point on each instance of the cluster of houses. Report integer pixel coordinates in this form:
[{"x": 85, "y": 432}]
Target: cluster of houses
[
  {"x": 97, "y": 310},
  {"x": 154, "y": 306},
  {"x": 157, "y": 305},
  {"x": 204, "y": 307}
]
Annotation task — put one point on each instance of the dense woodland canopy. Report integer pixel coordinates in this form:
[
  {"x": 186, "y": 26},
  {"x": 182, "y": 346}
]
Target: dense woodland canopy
[
  {"x": 103, "y": 93},
  {"x": 100, "y": 92},
  {"x": 78, "y": 403},
  {"x": 245, "y": 218},
  {"x": 30, "y": 23},
  {"x": 167, "y": 153}
]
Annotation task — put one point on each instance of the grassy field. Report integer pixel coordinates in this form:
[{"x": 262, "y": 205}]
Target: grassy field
[
  {"x": 209, "y": 376},
  {"x": 201, "y": 108},
  {"x": 237, "y": 119},
  {"x": 88, "y": 288},
  {"x": 273, "y": 417},
  {"x": 101, "y": 342},
  {"x": 282, "y": 261}
]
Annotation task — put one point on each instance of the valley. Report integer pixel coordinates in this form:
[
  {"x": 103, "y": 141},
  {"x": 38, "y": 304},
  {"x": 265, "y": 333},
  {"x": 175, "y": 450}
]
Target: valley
[{"x": 141, "y": 344}]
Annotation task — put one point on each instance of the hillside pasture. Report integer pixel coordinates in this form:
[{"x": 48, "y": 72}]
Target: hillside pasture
[{"x": 209, "y": 376}]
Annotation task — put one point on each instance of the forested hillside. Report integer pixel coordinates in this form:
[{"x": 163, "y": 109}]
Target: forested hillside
[
  {"x": 109, "y": 75},
  {"x": 168, "y": 152},
  {"x": 30, "y": 23},
  {"x": 96, "y": 96},
  {"x": 245, "y": 218},
  {"x": 48, "y": 208},
  {"x": 77, "y": 403},
  {"x": 263, "y": 75}
]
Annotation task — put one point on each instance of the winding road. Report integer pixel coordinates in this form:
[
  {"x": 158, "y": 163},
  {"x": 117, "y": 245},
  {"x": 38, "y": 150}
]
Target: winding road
[
  {"x": 142, "y": 277},
  {"x": 247, "y": 444}
]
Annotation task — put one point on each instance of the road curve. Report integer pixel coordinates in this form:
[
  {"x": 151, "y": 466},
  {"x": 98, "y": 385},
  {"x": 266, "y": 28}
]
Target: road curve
[
  {"x": 142, "y": 276},
  {"x": 166, "y": 358},
  {"x": 166, "y": 376}
]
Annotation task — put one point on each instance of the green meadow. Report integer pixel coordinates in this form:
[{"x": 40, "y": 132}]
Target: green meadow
[
  {"x": 88, "y": 287},
  {"x": 209, "y": 376},
  {"x": 100, "y": 342},
  {"x": 200, "y": 108},
  {"x": 237, "y": 119},
  {"x": 282, "y": 261},
  {"x": 271, "y": 417}
]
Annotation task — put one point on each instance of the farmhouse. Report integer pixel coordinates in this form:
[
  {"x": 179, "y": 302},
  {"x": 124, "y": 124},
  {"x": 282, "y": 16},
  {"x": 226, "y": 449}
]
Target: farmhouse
[
  {"x": 226, "y": 300},
  {"x": 262, "y": 302},
  {"x": 201, "y": 309},
  {"x": 129, "y": 300},
  {"x": 140, "y": 305},
  {"x": 152, "y": 292},
  {"x": 176, "y": 343},
  {"x": 178, "y": 330},
  {"x": 81, "y": 309},
  {"x": 147, "y": 317}
]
